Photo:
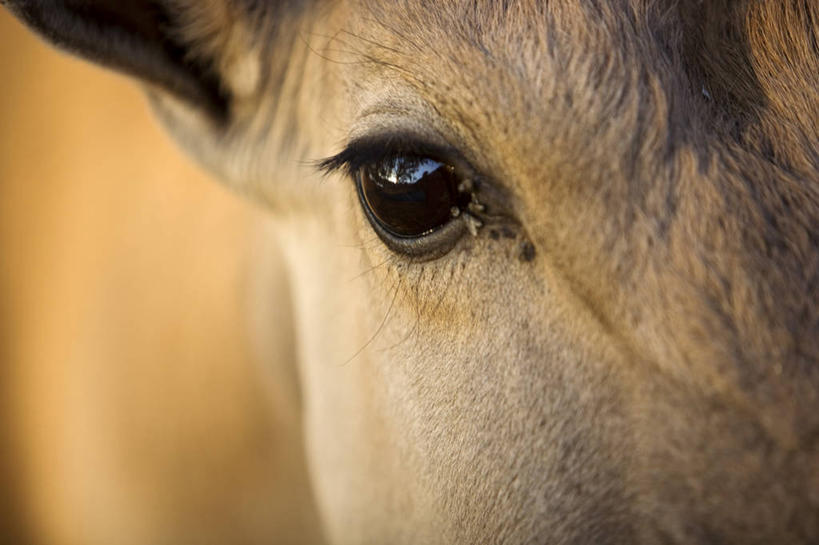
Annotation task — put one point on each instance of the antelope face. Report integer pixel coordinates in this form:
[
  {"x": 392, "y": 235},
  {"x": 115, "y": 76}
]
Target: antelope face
[{"x": 553, "y": 265}]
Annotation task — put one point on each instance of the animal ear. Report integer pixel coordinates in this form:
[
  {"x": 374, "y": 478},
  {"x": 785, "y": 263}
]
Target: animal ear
[{"x": 142, "y": 38}]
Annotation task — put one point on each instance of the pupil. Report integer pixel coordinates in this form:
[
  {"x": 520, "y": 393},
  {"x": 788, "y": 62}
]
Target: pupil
[{"x": 410, "y": 196}]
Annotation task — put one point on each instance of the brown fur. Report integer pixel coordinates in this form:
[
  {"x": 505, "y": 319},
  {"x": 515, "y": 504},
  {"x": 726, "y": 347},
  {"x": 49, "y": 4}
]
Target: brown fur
[{"x": 650, "y": 375}]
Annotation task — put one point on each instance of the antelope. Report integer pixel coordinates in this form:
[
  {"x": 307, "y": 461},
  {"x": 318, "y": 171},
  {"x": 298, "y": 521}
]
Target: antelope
[{"x": 553, "y": 265}]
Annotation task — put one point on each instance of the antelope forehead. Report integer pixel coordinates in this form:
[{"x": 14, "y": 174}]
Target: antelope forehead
[{"x": 515, "y": 84}]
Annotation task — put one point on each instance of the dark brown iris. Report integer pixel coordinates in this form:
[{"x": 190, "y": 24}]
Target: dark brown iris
[{"x": 410, "y": 196}]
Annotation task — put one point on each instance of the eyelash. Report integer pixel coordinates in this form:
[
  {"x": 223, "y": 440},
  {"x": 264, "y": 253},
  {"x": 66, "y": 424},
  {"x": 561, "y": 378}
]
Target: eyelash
[{"x": 368, "y": 151}]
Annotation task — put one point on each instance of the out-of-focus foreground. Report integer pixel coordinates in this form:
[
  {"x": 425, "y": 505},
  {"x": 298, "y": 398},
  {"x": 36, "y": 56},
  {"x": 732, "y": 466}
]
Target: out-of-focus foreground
[{"x": 134, "y": 408}]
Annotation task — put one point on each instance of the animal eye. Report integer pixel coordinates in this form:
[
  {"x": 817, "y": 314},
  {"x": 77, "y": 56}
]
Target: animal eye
[
  {"x": 418, "y": 203},
  {"x": 410, "y": 196}
]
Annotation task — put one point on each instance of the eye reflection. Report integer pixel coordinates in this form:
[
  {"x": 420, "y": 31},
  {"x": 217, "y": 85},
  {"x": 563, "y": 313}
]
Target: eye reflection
[
  {"x": 407, "y": 170},
  {"x": 410, "y": 196}
]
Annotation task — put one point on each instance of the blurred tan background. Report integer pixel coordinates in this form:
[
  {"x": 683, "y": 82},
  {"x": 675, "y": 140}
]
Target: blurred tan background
[{"x": 134, "y": 407}]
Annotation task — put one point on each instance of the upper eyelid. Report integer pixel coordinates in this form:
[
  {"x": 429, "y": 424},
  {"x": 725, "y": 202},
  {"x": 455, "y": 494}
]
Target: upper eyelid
[{"x": 370, "y": 149}]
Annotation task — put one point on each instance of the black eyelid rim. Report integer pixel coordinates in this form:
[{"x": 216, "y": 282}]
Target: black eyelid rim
[{"x": 370, "y": 149}]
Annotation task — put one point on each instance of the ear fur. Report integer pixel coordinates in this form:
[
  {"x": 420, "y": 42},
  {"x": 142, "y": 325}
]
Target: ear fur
[{"x": 142, "y": 38}]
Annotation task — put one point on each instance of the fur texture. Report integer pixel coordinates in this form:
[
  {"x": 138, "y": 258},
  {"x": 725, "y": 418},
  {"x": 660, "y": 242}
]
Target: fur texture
[{"x": 648, "y": 372}]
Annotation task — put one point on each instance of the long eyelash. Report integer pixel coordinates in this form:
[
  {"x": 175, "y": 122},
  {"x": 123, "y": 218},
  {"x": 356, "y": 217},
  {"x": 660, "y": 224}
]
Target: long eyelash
[
  {"x": 369, "y": 150},
  {"x": 347, "y": 162}
]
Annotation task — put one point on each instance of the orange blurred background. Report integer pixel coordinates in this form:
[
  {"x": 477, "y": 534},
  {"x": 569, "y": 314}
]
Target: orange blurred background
[{"x": 134, "y": 407}]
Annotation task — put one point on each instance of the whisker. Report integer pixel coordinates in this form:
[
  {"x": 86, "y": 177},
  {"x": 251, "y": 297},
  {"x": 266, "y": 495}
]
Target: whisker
[
  {"x": 380, "y": 327},
  {"x": 371, "y": 269}
]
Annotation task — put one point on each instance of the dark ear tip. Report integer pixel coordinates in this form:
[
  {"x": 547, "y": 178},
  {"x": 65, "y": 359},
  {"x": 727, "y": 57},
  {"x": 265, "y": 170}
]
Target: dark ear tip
[
  {"x": 129, "y": 37},
  {"x": 17, "y": 7},
  {"x": 11, "y": 5}
]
